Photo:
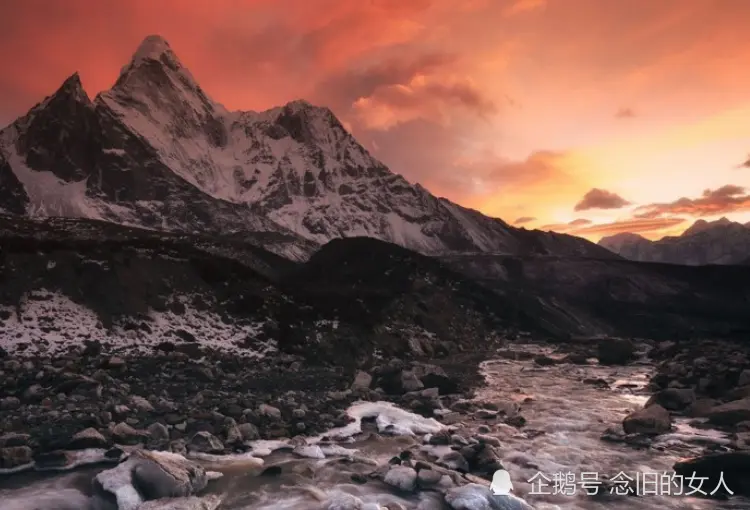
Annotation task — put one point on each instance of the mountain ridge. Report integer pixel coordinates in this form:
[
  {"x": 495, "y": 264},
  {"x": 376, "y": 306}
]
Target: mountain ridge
[
  {"x": 156, "y": 151},
  {"x": 716, "y": 242}
]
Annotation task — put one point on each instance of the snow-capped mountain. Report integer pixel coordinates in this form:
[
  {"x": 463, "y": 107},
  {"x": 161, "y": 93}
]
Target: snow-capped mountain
[
  {"x": 156, "y": 151},
  {"x": 716, "y": 242}
]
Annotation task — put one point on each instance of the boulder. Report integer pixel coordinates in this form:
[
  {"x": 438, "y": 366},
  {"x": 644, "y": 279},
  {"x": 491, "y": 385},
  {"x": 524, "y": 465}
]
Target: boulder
[
  {"x": 205, "y": 442},
  {"x": 730, "y": 413},
  {"x": 148, "y": 476},
  {"x": 652, "y": 420},
  {"x": 402, "y": 478},
  {"x": 14, "y": 457},
  {"x": 248, "y": 431},
  {"x": 14, "y": 439},
  {"x": 673, "y": 399},
  {"x": 432, "y": 376},
  {"x": 362, "y": 381},
  {"x": 615, "y": 351},
  {"x": 733, "y": 466}
]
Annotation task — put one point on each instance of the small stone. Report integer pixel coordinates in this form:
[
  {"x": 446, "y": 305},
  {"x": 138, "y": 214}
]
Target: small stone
[{"x": 141, "y": 404}]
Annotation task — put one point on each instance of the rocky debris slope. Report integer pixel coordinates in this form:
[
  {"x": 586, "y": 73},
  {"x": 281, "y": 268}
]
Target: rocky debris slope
[
  {"x": 717, "y": 242},
  {"x": 589, "y": 297},
  {"x": 156, "y": 151},
  {"x": 136, "y": 289}
]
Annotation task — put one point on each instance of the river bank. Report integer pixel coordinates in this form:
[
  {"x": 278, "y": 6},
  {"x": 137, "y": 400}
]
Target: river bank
[{"x": 544, "y": 410}]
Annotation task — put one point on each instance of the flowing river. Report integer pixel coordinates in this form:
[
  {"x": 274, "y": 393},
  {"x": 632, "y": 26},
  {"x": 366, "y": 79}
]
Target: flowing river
[{"x": 565, "y": 419}]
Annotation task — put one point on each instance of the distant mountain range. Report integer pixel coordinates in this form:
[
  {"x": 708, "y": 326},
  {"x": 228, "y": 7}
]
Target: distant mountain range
[
  {"x": 155, "y": 151},
  {"x": 716, "y": 242}
]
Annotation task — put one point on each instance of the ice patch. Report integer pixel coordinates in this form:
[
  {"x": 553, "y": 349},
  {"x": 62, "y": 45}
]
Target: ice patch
[
  {"x": 389, "y": 419},
  {"x": 119, "y": 482}
]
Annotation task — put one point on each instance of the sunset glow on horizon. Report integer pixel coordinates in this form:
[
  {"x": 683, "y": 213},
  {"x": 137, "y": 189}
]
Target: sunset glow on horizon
[{"x": 583, "y": 116}]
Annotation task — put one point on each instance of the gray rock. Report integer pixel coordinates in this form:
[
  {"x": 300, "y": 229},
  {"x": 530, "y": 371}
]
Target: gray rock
[
  {"x": 615, "y": 351},
  {"x": 147, "y": 476},
  {"x": 362, "y": 381},
  {"x": 455, "y": 461},
  {"x": 141, "y": 404},
  {"x": 673, "y": 399},
  {"x": 13, "y": 457},
  {"x": 125, "y": 434},
  {"x": 248, "y": 431},
  {"x": 652, "y": 420},
  {"x": 206, "y": 443},
  {"x": 9, "y": 404},
  {"x": 730, "y": 413},
  {"x": 410, "y": 382},
  {"x": 269, "y": 411},
  {"x": 14, "y": 439},
  {"x": 427, "y": 478},
  {"x": 402, "y": 478},
  {"x": 159, "y": 433}
]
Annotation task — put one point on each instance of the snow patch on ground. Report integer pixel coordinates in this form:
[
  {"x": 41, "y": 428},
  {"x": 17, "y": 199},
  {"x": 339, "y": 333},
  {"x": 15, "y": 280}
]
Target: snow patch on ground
[{"x": 51, "y": 322}]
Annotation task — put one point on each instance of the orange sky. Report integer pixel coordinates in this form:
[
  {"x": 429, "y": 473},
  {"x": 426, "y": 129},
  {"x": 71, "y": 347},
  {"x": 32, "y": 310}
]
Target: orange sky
[{"x": 610, "y": 115}]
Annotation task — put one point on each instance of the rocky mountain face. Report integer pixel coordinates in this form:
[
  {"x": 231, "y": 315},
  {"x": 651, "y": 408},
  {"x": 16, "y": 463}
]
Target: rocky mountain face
[
  {"x": 717, "y": 242},
  {"x": 156, "y": 151}
]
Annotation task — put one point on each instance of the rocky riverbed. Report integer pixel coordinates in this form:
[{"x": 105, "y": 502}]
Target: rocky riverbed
[{"x": 328, "y": 439}]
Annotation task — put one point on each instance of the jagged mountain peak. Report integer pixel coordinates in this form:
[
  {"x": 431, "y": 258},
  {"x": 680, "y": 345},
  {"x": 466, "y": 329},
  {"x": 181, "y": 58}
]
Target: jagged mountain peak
[
  {"x": 72, "y": 86},
  {"x": 155, "y": 150},
  {"x": 152, "y": 47},
  {"x": 155, "y": 76}
]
